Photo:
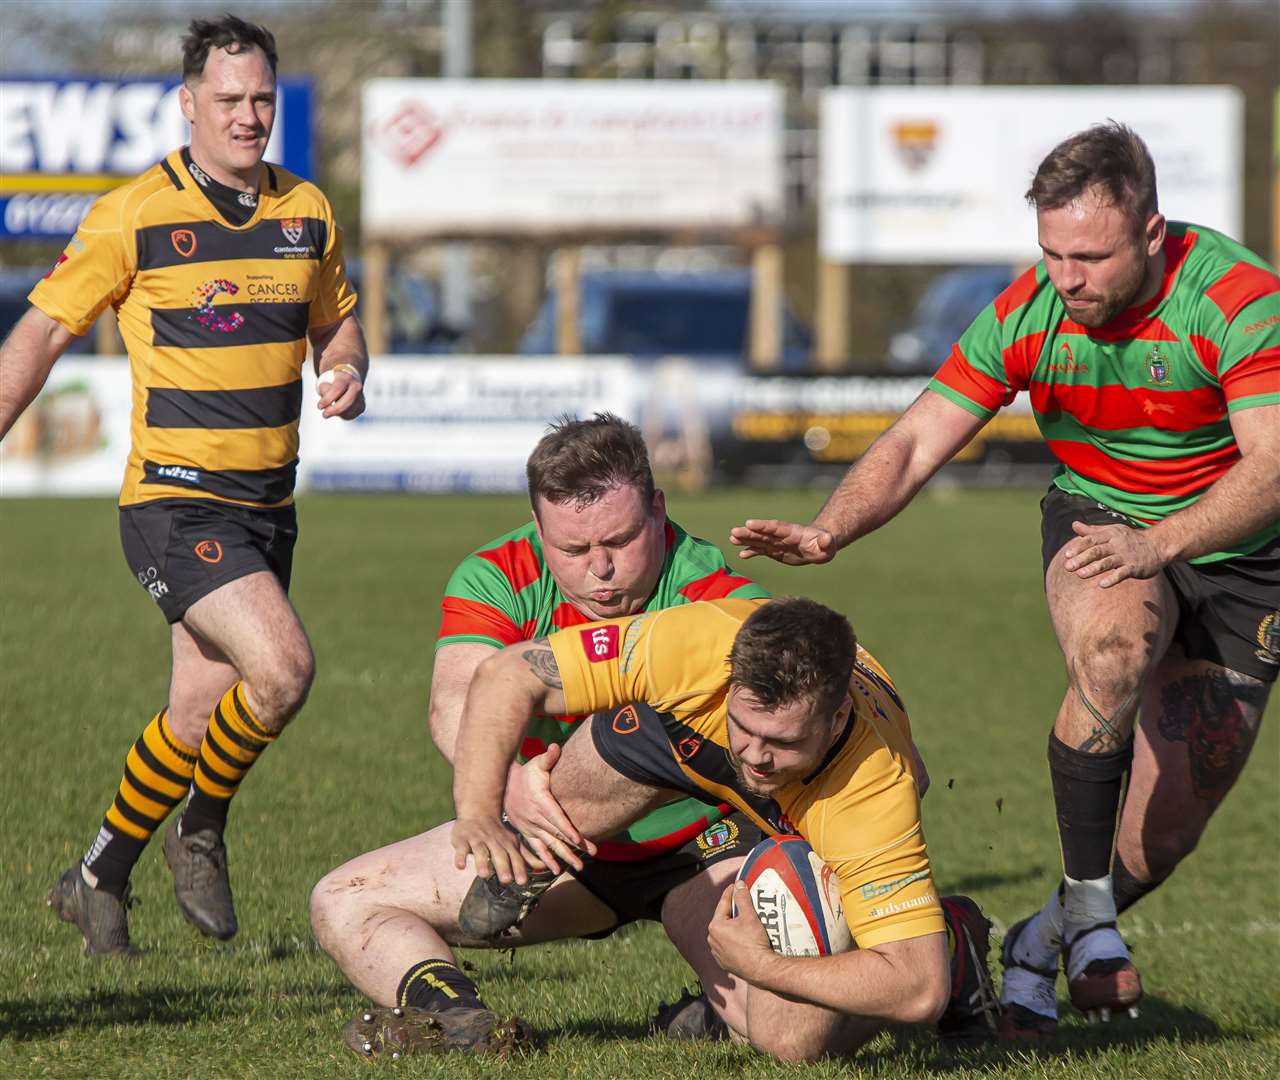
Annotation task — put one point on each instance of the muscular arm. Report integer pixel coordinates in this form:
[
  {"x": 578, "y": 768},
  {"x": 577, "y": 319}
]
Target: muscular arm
[
  {"x": 898, "y": 464},
  {"x": 455, "y": 666},
  {"x": 506, "y": 691},
  {"x": 903, "y": 981},
  {"x": 1245, "y": 498},
  {"x": 876, "y": 488},
  {"x": 26, "y": 358}
]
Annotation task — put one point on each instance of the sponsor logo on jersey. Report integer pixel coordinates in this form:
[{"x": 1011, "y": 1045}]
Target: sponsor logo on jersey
[
  {"x": 1253, "y": 328},
  {"x": 600, "y": 644},
  {"x": 871, "y": 889},
  {"x": 1066, "y": 362},
  {"x": 915, "y": 141},
  {"x": 1269, "y": 639},
  {"x": 201, "y": 177},
  {"x": 180, "y": 473},
  {"x": 721, "y": 836},
  {"x": 209, "y": 551},
  {"x": 184, "y": 242},
  {"x": 688, "y": 747},
  {"x": 247, "y": 198},
  {"x": 292, "y": 229},
  {"x": 207, "y": 315},
  {"x": 1158, "y": 366},
  {"x": 626, "y": 720},
  {"x": 61, "y": 259}
]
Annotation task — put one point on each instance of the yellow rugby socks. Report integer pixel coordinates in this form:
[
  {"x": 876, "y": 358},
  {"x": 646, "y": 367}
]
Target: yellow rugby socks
[
  {"x": 232, "y": 743},
  {"x": 157, "y": 774}
]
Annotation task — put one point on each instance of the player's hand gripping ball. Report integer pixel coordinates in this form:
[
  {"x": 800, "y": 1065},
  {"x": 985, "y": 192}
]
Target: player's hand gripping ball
[{"x": 797, "y": 898}]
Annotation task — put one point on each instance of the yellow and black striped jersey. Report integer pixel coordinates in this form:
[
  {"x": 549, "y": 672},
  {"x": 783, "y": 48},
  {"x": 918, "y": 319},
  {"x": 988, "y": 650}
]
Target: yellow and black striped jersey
[
  {"x": 859, "y": 810},
  {"x": 215, "y": 320}
]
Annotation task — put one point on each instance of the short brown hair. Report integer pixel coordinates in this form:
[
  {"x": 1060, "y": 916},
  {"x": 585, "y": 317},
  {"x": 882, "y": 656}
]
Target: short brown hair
[
  {"x": 1111, "y": 156},
  {"x": 792, "y": 648},
  {"x": 578, "y": 461},
  {"x": 226, "y": 32}
]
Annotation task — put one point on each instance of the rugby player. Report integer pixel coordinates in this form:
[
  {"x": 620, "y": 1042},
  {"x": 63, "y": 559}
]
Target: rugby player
[
  {"x": 221, "y": 269},
  {"x": 773, "y": 707},
  {"x": 599, "y": 544},
  {"x": 1151, "y": 351}
]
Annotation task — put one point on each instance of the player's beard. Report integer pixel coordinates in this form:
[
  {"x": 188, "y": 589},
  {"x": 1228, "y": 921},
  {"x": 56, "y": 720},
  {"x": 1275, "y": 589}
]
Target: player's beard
[{"x": 1108, "y": 305}]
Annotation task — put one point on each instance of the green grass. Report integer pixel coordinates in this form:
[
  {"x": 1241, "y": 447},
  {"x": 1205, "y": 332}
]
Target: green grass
[{"x": 949, "y": 598}]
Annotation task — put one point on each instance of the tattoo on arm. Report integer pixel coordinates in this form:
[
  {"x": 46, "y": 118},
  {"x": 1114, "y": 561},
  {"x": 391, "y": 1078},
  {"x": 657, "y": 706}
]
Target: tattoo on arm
[
  {"x": 1106, "y": 733},
  {"x": 543, "y": 661},
  {"x": 1217, "y": 715}
]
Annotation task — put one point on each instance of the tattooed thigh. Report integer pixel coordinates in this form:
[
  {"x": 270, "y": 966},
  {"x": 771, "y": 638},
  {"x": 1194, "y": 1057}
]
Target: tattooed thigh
[{"x": 1216, "y": 712}]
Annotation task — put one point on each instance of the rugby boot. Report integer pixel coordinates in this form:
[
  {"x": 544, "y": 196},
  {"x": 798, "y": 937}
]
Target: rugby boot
[
  {"x": 200, "y": 880},
  {"x": 1101, "y": 977},
  {"x": 103, "y": 919},
  {"x": 399, "y": 1031},
  {"x": 688, "y": 1018},
  {"x": 1029, "y": 997},
  {"x": 973, "y": 1012},
  {"x": 490, "y": 908}
]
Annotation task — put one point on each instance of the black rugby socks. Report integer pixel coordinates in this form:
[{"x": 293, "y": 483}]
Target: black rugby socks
[{"x": 437, "y": 985}]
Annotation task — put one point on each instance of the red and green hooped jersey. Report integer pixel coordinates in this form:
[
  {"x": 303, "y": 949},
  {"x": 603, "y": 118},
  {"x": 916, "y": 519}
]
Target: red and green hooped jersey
[
  {"x": 1136, "y": 411},
  {"x": 503, "y": 593}
]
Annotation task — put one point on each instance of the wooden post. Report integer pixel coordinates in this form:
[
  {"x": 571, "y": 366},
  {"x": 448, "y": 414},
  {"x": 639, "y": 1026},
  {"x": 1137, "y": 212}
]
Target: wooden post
[
  {"x": 568, "y": 285},
  {"x": 831, "y": 340},
  {"x": 106, "y": 336},
  {"x": 373, "y": 297},
  {"x": 765, "y": 347}
]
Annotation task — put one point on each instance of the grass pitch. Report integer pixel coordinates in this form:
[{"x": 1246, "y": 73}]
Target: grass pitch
[{"x": 948, "y": 596}]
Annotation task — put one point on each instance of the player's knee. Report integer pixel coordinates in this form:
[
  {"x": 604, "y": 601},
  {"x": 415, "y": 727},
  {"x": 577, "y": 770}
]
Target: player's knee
[
  {"x": 1109, "y": 667},
  {"x": 281, "y": 688},
  {"x": 334, "y": 906},
  {"x": 789, "y": 1045}
]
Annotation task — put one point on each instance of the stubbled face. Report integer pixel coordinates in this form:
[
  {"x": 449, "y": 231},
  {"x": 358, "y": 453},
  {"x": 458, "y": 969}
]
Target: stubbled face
[
  {"x": 606, "y": 557},
  {"x": 231, "y": 110},
  {"x": 1096, "y": 262},
  {"x": 770, "y": 749}
]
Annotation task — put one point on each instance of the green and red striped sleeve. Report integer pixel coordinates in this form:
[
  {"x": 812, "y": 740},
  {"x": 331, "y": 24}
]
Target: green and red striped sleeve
[
  {"x": 1246, "y": 359},
  {"x": 482, "y": 599},
  {"x": 994, "y": 358}
]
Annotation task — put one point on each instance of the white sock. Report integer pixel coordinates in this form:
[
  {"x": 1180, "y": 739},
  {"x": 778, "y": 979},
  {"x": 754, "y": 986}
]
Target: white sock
[
  {"x": 1040, "y": 943},
  {"x": 1087, "y": 903}
]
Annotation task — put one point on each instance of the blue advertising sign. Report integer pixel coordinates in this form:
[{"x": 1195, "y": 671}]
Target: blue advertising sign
[{"x": 64, "y": 141}]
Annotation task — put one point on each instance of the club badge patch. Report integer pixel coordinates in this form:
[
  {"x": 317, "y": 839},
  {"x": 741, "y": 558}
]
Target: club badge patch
[
  {"x": 1269, "y": 639},
  {"x": 1158, "y": 366}
]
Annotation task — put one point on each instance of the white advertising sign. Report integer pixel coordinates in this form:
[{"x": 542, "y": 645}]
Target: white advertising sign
[
  {"x": 447, "y": 423},
  {"x": 74, "y": 438},
  {"x": 938, "y": 175},
  {"x": 513, "y": 156}
]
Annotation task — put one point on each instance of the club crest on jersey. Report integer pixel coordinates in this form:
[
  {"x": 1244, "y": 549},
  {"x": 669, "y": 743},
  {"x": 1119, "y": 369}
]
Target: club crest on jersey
[
  {"x": 184, "y": 242},
  {"x": 292, "y": 229},
  {"x": 600, "y": 644},
  {"x": 1158, "y": 366},
  {"x": 720, "y": 836},
  {"x": 1269, "y": 639}
]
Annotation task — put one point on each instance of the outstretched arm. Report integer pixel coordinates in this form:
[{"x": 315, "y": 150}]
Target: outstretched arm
[
  {"x": 876, "y": 487},
  {"x": 26, "y": 358}
]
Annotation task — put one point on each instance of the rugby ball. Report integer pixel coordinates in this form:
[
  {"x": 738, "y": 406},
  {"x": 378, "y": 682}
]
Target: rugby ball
[{"x": 797, "y": 898}]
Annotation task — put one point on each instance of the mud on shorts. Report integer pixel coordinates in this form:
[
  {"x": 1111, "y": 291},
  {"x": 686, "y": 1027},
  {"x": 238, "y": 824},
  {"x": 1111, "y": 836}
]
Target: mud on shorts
[
  {"x": 1229, "y": 611},
  {"x": 183, "y": 549}
]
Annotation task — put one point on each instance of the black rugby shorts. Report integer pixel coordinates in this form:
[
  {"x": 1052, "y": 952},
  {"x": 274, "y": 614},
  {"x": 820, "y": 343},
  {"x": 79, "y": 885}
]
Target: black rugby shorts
[
  {"x": 183, "y": 549},
  {"x": 1229, "y": 611}
]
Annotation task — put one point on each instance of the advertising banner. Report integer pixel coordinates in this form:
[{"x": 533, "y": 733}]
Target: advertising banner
[
  {"x": 65, "y": 140},
  {"x": 511, "y": 156},
  {"x": 450, "y": 423},
  {"x": 74, "y": 438},
  {"x": 447, "y": 423},
  {"x": 938, "y": 175}
]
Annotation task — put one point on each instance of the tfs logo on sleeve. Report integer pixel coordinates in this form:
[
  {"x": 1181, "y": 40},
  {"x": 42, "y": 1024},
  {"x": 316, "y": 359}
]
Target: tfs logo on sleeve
[{"x": 601, "y": 643}]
